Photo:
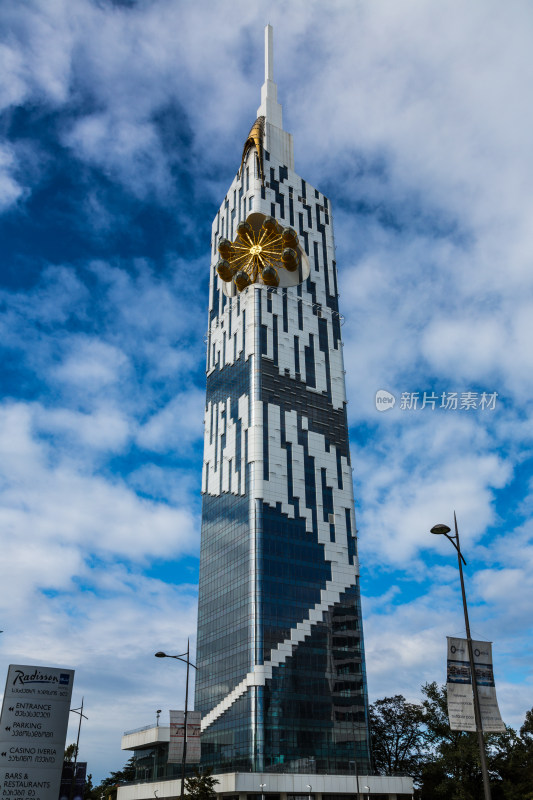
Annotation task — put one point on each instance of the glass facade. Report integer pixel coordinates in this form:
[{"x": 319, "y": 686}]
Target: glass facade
[
  {"x": 281, "y": 681},
  {"x": 151, "y": 763}
]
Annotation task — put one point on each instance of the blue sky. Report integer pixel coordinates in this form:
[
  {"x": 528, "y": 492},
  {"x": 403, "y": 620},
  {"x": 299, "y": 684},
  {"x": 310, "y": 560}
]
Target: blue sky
[{"x": 121, "y": 128}]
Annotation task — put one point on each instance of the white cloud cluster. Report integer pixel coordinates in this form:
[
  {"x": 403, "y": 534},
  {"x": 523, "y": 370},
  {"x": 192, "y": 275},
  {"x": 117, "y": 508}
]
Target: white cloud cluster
[
  {"x": 77, "y": 535},
  {"x": 34, "y": 67},
  {"x": 10, "y": 189},
  {"x": 49, "y": 504}
]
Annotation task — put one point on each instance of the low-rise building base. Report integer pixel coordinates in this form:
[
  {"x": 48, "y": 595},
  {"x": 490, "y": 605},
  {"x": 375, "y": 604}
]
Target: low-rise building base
[{"x": 282, "y": 786}]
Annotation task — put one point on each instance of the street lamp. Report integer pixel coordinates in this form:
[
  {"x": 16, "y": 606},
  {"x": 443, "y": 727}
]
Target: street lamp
[
  {"x": 309, "y": 788},
  {"x": 262, "y": 786},
  {"x": 81, "y": 715},
  {"x": 157, "y": 715},
  {"x": 367, "y": 788},
  {"x": 189, "y": 663},
  {"x": 356, "y": 769},
  {"x": 444, "y": 530}
]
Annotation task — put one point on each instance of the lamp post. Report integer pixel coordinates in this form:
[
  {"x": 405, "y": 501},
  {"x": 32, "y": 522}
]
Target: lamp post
[
  {"x": 81, "y": 715},
  {"x": 262, "y": 786},
  {"x": 445, "y": 531},
  {"x": 356, "y": 768},
  {"x": 367, "y": 788},
  {"x": 157, "y": 715},
  {"x": 309, "y": 790},
  {"x": 189, "y": 663}
]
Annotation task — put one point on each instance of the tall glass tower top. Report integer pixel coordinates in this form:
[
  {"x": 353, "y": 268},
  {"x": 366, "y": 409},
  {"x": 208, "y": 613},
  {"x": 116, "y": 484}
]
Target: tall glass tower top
[{"x": 281, "y": 680}]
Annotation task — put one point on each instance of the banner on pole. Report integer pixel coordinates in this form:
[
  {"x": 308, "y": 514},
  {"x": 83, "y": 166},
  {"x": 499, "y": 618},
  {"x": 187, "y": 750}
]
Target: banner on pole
[
  {"x": 175, "y": 748},
  {"x": 459, "y": 687}
]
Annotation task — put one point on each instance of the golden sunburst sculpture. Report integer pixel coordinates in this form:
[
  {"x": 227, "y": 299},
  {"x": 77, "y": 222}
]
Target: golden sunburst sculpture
[{"x": 263, "y": 252}]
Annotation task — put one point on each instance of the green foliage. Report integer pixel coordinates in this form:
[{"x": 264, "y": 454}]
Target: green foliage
[
  {"x": 454, "y": 769},
  {"x": 88, "y": 789},
  {"x": 108, "y": 787},
  {"x": 70, "y": 753},
  {"x": 455, "y": 772},
  {"x": 416, "y": 739},
  {"x": 201, "y": 786},
  {"x": 398, "y": 736}
]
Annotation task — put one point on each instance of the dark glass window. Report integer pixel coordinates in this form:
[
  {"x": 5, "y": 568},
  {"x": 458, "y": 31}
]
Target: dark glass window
[{"x": 310, "y": 376}]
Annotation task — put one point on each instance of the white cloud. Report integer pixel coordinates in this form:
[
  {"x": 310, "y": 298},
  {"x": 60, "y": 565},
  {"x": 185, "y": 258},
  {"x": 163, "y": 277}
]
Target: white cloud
[
  {"x": 104, "y": 429},
  {"x": 167, "y": 483},
  {"x": 178, "y": 424},
  {"x": 58, "y": 294},
  {"x": 127, "y": 151},
  {"x": 109, "y": 634},
  {"x": 48, "y": 500},
  {"x": 405, "y": 645},
  {"x": 158, "y": 320},
  {"x": 415, "y": 473},
  {"x": 68, "y": 599},
  {"x": 90, "y": 365},
  {"x": 143, "y": 335},
  {"x": 10, "y": 189},
  {"x": 32, "y": 62}
]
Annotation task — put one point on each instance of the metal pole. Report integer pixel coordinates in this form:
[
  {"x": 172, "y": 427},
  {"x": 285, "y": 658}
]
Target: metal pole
[
  {"x": 73, "y": 781},
  {"x": 160, "y": 654},
  {"x": 477, "y": 710},
  {"x": 184, "y": 757},
  {"x": 355, "y": 757}
]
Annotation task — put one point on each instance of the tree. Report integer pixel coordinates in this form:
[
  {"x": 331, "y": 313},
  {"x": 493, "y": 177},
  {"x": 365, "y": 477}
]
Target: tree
[
  {"x": 201, "y": 786},
  {"x": 453, "y": 769},
  {"x": 88, "y": 789},
  {"x": 445, "y": 764},
  {"x": 70, "y": 753},
  {"x": 108, "y": 787},
  {"x": 511, "y": 761},
  {"x": 398, "y": 736},
  {"x": 526, "y": 733},
  {"x": 127, "y": 773}
]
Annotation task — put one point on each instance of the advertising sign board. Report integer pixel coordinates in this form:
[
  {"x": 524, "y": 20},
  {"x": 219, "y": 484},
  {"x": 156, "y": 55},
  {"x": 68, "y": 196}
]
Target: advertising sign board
[
  {"x": 175, "y": 750},
  {"x": 72, "y": 786},
  {"x": 33, "y": 729},
  {"x": 459, "y": 687}
]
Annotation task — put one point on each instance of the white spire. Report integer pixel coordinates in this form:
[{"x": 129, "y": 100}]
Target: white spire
[
  {"x": 269, "y": 53},
  {"x": 270, "y": 108}
]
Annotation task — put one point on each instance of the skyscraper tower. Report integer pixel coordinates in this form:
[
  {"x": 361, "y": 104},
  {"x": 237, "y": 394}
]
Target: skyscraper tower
[{"x": 281, "y": 682}]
